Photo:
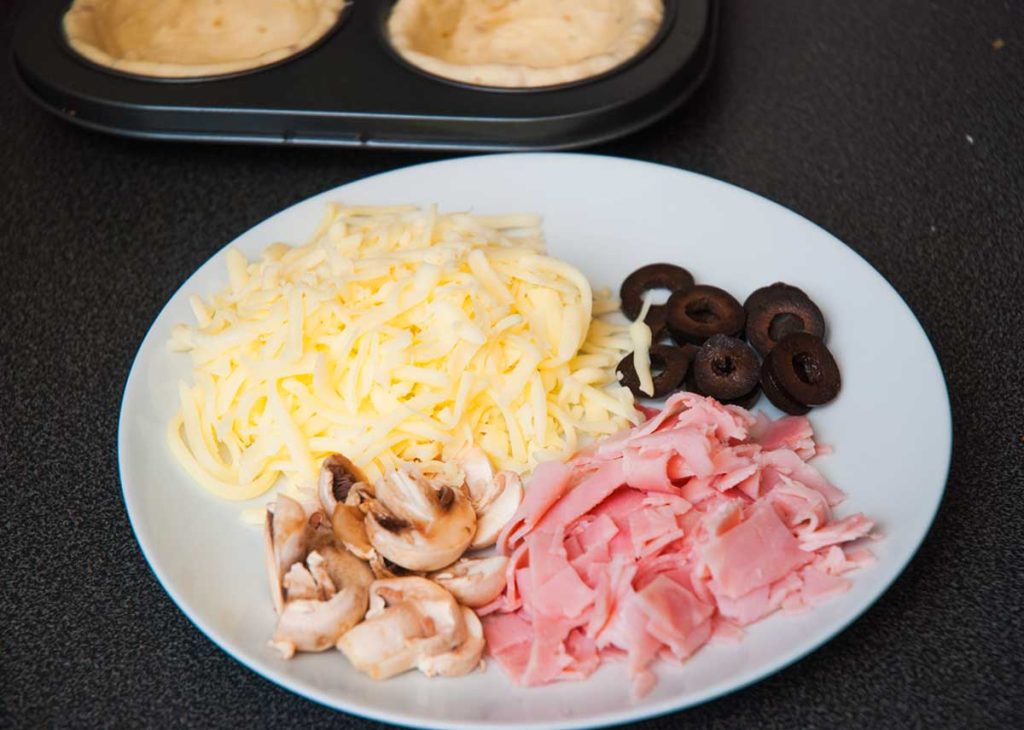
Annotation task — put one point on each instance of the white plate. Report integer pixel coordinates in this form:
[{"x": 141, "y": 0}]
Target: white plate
[{"x": 890, "y": 427}]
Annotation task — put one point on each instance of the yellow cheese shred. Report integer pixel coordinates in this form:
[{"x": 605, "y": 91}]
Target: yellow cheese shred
[
  {"x": 395, "y": 333},
  {"x": 640, "y": 335}
]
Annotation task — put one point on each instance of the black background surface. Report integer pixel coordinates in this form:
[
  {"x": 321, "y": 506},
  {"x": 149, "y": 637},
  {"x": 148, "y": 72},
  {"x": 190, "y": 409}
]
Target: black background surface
[{"x": 898, "y": 126}]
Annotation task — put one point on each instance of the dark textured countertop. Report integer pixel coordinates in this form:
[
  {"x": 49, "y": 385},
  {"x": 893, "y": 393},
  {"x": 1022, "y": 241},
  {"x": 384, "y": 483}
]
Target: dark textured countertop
[{"x": 898, "y": 126}]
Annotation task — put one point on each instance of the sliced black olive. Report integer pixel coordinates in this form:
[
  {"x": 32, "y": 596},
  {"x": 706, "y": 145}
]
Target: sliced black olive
[
  {"x": 804, "y": 369},
  {"x": 747, "y": 401},
  {"x": 648, "y": 278},
  {"x": 672, "y": 362},
  {"x": 690, "y": 384},
  {"x": 702, "y": 311},
  {"x": 778, "y": 310},
  {"x": 765, "y": 293},
  {"x": 782, "y": 400},
  {"x": 726, "y": 368}
]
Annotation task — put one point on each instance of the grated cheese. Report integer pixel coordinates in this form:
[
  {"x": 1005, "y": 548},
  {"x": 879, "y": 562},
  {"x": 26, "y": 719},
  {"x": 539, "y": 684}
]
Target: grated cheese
[
  {"x": 640, "y": 336},
  {"x": 395, "y": 333}
]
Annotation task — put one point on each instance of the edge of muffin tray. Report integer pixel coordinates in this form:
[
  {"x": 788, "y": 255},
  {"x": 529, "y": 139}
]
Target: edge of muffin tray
[{"x": 352, "y": 90}]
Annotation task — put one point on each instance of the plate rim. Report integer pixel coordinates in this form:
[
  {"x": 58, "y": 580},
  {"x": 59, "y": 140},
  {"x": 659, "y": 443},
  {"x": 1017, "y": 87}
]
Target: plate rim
[{"x": 628, "y": 713}]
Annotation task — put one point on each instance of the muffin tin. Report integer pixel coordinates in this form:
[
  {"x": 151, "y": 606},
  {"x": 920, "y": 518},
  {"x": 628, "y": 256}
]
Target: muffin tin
[{"x": 352, "y": 90}]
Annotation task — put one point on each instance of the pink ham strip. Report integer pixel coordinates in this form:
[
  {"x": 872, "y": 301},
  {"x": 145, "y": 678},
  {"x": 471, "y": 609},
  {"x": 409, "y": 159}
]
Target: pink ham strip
[
  {"x": 728, "y": 424},
  {"x": 674, "y": 565},
  {"x": 819, "y": 586},
  {"x": 844, "y": 530},
  {"x": 505, "y": 630},
  {"x": 573, "y": 548},
  {"x": 691, "y": 451},
  {"x": 648, "y": 471},
  {"x": 698, "y": 489},
  {"x": 651, "y": 524},
  {"x": 591, "y": 566},
  {"x": 548, "y": 655},
  {"x": 759, "y": 602},
  {"x": 675, "y": 616},
  {"x": 673, "y": 406},
  {"x": 756, "y": 552},
  {"x": 751, "y": 486},
  {"x": 583, "y": 650},
  {"x": 547, "y": 484},
  {"x": 802, "y": 509},
  {"x": 598, "y": 533},
  {"x": 789, "y": 432},
  {"x": 674, "y": 502},
  {"x": 699, "y": 521},
  {"x": 618, "y": 585},
  {"x": 585, "y": 496},
  {"x": 859, "y": 557},
  {"x": 726, "y": 631},
  {"x": 788, "y": 462},
  {"x": 556, "y": 589}
]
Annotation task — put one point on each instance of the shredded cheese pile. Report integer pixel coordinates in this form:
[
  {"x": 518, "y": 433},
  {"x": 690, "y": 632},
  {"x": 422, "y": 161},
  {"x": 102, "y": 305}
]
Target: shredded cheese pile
[{"x": 395, "y": 333}]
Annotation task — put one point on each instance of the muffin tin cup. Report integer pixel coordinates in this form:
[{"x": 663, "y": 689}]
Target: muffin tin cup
[
  {"x": 351, "y": 88},
  {"x": 68, "y": 49}
]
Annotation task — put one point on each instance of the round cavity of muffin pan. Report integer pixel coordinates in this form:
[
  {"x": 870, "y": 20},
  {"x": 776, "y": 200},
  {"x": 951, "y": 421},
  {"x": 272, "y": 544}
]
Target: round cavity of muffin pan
[
  {"x": 64, "y": 43},
  {"x": 667, "y": 19}
]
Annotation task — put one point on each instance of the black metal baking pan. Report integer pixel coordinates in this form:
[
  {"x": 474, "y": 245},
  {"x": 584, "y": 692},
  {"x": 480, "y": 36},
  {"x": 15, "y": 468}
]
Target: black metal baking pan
[{"x": 351, "y": 90}]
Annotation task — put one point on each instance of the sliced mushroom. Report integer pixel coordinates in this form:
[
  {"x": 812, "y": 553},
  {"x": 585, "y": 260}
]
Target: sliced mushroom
[
  {"x": 337, "y": 477},
  {"x": 464, "y": 658},
  {"x": 409, "y": 619},
  {"x": 477, "y": 470},
  {"x": 390, "y": 644},
  {"x": 326, "y": 597},
  {"x": 286, "y": 537},
  {"x": 321, "y": 531},
  {"x": 474, "y": 582},
  {"x": 309, "y": 582},
  {"x": 383, "y": 568},
  {"x": 349, "y": 529},
  {"x": 418, "y": 524},
  {"x": 345, "y": 569},
  {"x": 495, "y": 497},
  {"x": 497, "y": 508},
  {"x": 360, "y": 494},
  {"x": 308, "y": 625}
]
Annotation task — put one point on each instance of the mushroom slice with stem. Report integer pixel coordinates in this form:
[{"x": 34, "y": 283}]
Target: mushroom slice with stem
[
  {"x": 342, "y": 500},
  {"x": 501, "y": 504},
  {"x": 477, "y": 471},
  {"x": 464, "y": 658},
  {"x": 409, "y": 619},
  {"x": 326, "y": 597},
  {"x": 286, "y": 537},
  {"x": 359, "y": 494},
  {"x": 419, "y": 524},
  {"x": 495, "y": 497},
  {"x": 338, "y": 475},
  {"x": 383, "y": 568},
  {"x": 345, "y": 569},
  {"x": 474, "y": 582},
  {"x": 350, "y": 529},
  {"x": 308, "y": 581}
]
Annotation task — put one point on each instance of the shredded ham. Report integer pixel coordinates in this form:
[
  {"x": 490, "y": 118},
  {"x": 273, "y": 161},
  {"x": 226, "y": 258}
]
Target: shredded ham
[{"x": 701, "y": 520}]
